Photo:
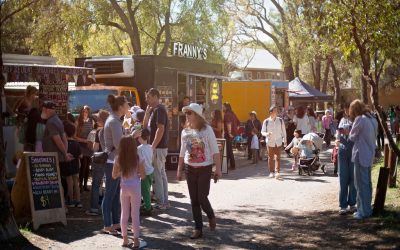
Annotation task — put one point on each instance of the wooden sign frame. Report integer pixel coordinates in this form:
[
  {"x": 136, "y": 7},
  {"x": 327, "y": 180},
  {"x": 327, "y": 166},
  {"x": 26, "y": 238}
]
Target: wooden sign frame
[
  {"x": 40, "y": 217},
  {"x": 224, "y": 163}
]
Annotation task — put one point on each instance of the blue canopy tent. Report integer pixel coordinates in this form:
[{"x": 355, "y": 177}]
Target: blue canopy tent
[{"x": 300, "y": 91}]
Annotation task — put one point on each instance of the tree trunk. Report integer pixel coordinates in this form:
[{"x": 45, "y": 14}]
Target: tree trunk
[
  {"x": 336, "y": 82},
  {"x": 289, "y": 72},
  {"x": 317, "y": 72},
  {"x": 364, "y": 90},
  {"x": 164, "y": 51},
  {"x": 325, "y": 79},
  {"x": 137, "y": 50}
]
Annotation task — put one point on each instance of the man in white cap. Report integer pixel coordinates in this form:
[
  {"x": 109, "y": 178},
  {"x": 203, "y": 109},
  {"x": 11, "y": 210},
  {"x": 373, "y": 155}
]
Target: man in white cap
[
  {"x": 273, "y": 129},
  {"x": 251, "y": 123}
]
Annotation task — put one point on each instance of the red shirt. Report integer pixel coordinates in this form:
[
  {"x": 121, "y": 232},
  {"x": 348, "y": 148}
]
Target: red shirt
[{"x": 231, "y": 118}]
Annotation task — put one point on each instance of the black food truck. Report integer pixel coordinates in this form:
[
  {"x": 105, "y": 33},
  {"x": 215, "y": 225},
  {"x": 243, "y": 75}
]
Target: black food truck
[{"x": 175, "y": 77}]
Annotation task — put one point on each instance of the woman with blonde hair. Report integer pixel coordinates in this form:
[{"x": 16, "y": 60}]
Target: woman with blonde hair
[
  {"x": 199, "y": 152},
  {"x": 363, "y": 134}
]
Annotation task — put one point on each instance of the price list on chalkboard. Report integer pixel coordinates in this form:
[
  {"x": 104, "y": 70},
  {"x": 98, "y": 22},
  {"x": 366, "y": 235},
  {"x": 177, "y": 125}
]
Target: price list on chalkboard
[{"x": 44, "y": 179}]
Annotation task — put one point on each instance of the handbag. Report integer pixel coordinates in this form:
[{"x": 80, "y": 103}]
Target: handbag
[{"x": 99, "y": 157}]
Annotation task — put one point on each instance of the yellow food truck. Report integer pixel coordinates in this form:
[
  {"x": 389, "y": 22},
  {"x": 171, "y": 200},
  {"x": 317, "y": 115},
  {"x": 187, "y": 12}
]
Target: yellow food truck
[{"x": 248, "y": 95}]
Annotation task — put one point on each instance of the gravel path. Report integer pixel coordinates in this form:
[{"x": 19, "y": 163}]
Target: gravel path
[{"x": 252, "y": 210}]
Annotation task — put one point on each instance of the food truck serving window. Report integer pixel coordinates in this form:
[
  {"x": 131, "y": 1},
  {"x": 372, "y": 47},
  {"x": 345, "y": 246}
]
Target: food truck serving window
[{"x": 95, "y": 99}]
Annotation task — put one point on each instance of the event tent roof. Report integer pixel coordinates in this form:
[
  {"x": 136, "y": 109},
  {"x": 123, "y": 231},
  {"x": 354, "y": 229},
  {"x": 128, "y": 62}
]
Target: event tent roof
[{"x": 301, "y": 91}]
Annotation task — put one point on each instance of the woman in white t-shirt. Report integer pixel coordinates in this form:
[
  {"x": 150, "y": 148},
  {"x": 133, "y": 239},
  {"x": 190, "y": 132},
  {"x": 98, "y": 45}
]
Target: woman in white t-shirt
[
  {"x": 199, "y": 152},
  {"x": 301, "y": 120}
]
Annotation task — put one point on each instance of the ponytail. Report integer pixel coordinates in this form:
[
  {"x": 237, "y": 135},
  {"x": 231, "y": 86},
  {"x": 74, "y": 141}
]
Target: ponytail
[{"x": 116, "y": 101}]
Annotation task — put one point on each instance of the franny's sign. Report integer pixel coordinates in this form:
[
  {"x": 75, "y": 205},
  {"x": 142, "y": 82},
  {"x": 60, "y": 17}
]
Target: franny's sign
[{"x": 189, "y": 51}]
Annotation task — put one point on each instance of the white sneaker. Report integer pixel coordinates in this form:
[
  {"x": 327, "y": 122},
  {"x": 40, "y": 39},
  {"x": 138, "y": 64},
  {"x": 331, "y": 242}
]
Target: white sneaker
[
  {"x": 277, "y": 176},
  {"x": 271, "y": 175},
  {"x": 352, "y": 209},
  {"x": 342, "y": 211}
]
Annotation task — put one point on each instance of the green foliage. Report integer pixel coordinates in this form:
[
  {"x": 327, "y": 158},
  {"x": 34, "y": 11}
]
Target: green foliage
[{"x": 69, "y": 29}]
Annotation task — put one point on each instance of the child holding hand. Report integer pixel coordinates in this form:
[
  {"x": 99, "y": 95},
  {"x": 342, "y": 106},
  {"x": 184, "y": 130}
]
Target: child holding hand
[{"x": 294, "y": 145}]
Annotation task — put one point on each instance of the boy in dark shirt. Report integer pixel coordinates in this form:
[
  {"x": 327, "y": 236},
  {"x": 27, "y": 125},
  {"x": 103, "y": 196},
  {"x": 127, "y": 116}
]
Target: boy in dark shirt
[{"x": 70, "y": 170}]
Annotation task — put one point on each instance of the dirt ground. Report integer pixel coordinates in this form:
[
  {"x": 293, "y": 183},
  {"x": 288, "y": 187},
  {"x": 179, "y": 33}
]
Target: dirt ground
[{"x": 252, "y": 210}]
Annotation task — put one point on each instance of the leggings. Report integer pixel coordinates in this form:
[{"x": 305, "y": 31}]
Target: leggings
[
  {"x": 84, "y": 171},
  {"x": 130, "y": 205}
]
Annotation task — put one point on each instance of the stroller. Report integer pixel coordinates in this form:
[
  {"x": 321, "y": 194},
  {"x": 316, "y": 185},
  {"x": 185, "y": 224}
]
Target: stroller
[{"x": 309, "y": 161}]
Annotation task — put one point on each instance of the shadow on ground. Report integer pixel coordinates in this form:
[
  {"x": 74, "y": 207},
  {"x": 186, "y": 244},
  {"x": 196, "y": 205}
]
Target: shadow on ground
[{"x": 278, "y": 230}]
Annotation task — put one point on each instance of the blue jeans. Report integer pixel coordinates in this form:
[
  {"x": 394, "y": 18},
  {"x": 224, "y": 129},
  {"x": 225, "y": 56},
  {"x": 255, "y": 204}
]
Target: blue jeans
[
  {"x": 347, "y": 190},
  {"x": 364, "y": 189},
  {"x": 97, "y": 176},
  {"x": 111, "y": 205}
]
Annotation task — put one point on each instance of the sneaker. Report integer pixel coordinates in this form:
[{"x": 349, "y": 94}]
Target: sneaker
[
  {"x": 271, "y": 175},
  {"x": 161, "y": 207},
  {"x": 277, "y": 176},
  {"x": 357, "y": 216},
  {"x": 342, "y": 211},
  {"x": 352, "y": 209},
  {"x": 78, "y": 204},
  {"x": 92, "y": 212},
  {"x": 144, "y": 212}
]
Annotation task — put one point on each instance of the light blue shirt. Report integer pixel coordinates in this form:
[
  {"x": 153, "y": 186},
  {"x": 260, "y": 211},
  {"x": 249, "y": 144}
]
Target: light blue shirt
[{"x": 363, "y": 134}]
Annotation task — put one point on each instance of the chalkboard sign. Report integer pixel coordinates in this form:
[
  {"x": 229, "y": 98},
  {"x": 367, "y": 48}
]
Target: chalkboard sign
[
  {"x": 44, "y": 182},
  {"x": 38, "y": 176}
]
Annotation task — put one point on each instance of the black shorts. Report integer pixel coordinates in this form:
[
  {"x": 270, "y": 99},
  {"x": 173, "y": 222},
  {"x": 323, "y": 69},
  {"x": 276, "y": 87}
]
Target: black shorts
[{"x": 69, "y": 168}]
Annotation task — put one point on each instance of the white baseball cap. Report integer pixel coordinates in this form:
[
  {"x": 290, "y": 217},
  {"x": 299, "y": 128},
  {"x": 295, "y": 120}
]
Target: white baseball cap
[{"x": 197, "y": 108}]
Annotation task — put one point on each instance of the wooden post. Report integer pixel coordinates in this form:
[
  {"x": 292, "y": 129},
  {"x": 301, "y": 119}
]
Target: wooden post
[
  {"x": 381, "y": 189},
  {"x": 392, "y": 169},
  {"x": 386, "y": 155}
]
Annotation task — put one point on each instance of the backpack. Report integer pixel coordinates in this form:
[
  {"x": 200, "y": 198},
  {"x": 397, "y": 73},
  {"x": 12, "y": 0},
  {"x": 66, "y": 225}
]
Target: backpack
[{"x": 266, "y": 122}]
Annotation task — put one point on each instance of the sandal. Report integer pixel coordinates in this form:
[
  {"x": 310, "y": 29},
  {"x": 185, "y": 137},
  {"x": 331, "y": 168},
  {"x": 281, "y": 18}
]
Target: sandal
[{"x": 110, "y": 232}]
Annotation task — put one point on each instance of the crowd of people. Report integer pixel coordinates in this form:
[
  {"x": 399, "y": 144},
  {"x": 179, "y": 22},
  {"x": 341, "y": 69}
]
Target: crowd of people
[{"x": 126, "y": 148}]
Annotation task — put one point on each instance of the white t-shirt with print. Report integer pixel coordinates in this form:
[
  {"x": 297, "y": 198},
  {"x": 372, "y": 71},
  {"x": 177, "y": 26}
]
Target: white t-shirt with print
[
  {"x": 145, "y": 153},
  {"x": 198, "y": 147}
]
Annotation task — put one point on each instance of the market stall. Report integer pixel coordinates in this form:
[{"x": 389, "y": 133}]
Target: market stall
[
  {"x": 53, "y": 86},
  {"x": 300, "y": 93}
]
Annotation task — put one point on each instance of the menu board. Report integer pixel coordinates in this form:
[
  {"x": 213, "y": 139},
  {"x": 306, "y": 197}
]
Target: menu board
[
  {"x": 54, "y": 87},
  {"x": 44, "y": 178},
  {"x": 166, "y": 98}
]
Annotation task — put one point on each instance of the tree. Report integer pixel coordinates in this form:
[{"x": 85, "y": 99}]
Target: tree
[
  {"x": 370, "y": 29},
  {"x": 255, "y": 19}
]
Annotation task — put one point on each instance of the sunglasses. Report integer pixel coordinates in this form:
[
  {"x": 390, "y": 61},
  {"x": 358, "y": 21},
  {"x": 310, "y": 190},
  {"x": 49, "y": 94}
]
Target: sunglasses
[{"x": 189, "y": 113}]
